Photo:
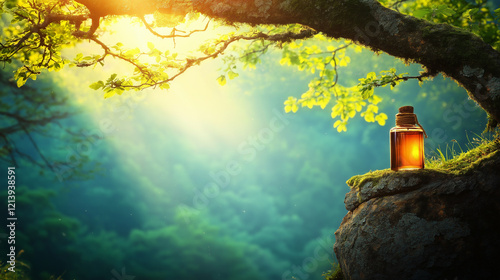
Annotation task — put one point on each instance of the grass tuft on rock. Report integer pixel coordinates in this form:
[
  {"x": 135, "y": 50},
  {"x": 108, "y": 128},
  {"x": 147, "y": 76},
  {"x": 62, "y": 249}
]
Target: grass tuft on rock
[
  {"x": 464, "y": 162},
  {"x": 459, "y": 164},
  {"x": 335, "y": 273}
]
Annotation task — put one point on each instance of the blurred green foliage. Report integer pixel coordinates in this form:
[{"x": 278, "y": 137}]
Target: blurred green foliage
[
  {"x": 480, "y": 16},
  {"x": 41, "y": 114}
]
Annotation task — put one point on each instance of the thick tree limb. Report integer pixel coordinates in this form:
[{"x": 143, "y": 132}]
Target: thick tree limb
[{"x": 456, "y": 53}]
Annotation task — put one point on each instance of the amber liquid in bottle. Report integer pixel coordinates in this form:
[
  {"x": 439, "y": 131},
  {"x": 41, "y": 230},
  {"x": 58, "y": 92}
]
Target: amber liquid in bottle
[{"x": 407, "y": 148}]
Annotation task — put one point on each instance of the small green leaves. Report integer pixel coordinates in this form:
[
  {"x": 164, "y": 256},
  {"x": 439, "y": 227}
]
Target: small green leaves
[
  {"x": 109, "y": 94},
  {"x": 470, "y": 13},
  {"x": 164, "y": 86},
  {"x": 479, "y": 17},
  {"x": 151, "y": 46},
  {"x": 370, "y": 112},
  {"x": 112, "y": 77},
  {"x": 430, "y": 12},
  {"x": 372, "y": 80},
  {"x": 20, "y": 82},
  {"x": 367, "y": 84},
  {"x": 222, "y": 80},
  {"x": 21, "y": 77},
  {"x": 231, "y": 74},
  {"x": 97, "y": 85},
  {"x": 340, "y": 125},
  {"x": 113, "y": 85},
  {"x": 131, "y": 53},
  {"x": 322, "y": 58},
  {"x": 10, "y": 4},
  {"x": 371, "y": 115},
  {"x": 37, "y": 49},
  {"x": 422, "y": 13},
  {"x": 291, "y": 105},
  {"x": 336, "y": 110},
  {"x": 381, "y": 118},
  {"x": 24, "y": 73},
  {"x": 78, "y": 57}
]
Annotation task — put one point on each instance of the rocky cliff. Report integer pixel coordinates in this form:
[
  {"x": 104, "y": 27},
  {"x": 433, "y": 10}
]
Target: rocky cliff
[{"x": 425, "y": 224}]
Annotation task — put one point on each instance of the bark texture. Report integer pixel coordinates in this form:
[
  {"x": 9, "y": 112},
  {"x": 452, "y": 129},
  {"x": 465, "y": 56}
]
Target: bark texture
[
  {"x": 456, "y": 53},
  {"x": 423, "y": 225}
]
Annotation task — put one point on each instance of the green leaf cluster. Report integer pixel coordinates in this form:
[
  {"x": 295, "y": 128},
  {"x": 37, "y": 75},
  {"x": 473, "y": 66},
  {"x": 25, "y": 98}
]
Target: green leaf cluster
[
  {"x": 30, "y": 38},
  {"x": 322, "y": 57},
  {"x": 151, "y": 69},
  {"x": 367, "y": 85},
  {"x": 39, "y": 48},
  {"x": 350, "y": 102},
  {"x": 36, "y": 32},
  {"x": 249, "y": 54},
  {"x": 319, "y": 57},
  {"x": 475, "y": 16}
]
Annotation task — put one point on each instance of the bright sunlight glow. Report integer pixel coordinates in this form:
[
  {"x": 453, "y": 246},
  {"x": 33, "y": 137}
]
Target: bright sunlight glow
[{"x": 195, "y": 104}]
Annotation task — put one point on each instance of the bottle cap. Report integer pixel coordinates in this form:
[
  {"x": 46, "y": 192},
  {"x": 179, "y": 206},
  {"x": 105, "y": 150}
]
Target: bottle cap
[
  {"x": 406, "y": 109},
  {"x": 406, "y": 117}
]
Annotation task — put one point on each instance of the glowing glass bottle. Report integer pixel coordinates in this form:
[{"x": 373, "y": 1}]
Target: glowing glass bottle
[{"x": 407, "y": 141}]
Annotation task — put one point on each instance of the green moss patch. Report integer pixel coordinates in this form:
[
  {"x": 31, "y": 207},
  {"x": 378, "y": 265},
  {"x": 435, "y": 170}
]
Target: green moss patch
[
  {"x": 372, "y": 176},
  {"x": 466, "y": 162},
  {"x": 459, "y": 165}
]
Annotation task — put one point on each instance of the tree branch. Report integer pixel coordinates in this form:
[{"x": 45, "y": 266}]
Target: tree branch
[
  {"x": 456, "y": 53},
  {"x": 35, "y": 145},
  {"x": 172, "y": 34},
  {"x": 9, "y": 147},
  {"x": 220, "y": 47}
]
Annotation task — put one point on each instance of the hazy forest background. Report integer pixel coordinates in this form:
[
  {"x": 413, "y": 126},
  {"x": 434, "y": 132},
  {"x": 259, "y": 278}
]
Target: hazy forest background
[{"x": 136, "y": 195}]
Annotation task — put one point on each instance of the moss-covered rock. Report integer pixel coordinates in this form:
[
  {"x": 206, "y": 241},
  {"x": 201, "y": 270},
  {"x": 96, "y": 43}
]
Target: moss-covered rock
[
  {"x": 387, "y": 182},
  {"x": 425, "y": 224}
]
